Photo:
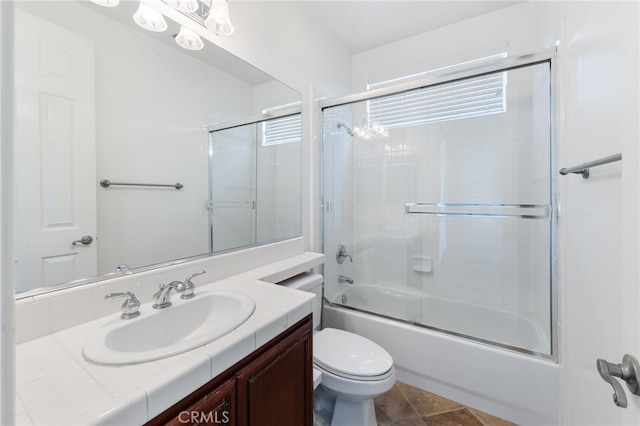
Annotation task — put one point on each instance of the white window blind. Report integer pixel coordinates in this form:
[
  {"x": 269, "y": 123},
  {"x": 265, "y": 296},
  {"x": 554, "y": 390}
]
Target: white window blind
[
  {"x": 466, "y": 98},
  {"x": 282, "y": 130}
]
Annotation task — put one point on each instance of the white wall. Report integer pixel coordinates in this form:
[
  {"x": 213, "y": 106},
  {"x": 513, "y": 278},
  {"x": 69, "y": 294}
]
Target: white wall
[
  {"x": 284, "y": 39},
  {"x": 7, "y": 325},
  {"x": 599, "y": 217},
  {"x": 510, "y": 27}
]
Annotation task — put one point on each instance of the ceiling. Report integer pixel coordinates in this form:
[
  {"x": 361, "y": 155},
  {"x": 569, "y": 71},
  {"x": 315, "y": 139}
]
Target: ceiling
[{"x": 366, "y": 24}]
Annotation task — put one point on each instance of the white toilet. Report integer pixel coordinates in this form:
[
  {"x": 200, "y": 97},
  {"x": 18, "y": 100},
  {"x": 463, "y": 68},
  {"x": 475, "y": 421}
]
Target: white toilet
[{"x": 354, "y": 370}]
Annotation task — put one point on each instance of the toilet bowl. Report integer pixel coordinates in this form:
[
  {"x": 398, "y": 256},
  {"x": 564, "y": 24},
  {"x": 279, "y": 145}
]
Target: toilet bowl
[{"x": 354, "y": 370}]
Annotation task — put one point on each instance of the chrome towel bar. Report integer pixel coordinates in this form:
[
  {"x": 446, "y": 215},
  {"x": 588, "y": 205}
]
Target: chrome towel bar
[
  {"x": 583, "y": 168},
  {"x": 105, "y": 183}
]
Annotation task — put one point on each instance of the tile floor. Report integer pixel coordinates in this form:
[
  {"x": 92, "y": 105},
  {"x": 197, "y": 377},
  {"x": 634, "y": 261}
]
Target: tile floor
[{"x": 405, "y": 405}]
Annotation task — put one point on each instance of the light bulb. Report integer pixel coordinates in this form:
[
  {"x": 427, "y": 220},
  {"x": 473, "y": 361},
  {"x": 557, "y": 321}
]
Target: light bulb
[
  {"x": 188, "y": 39},
  {"x": 107, "y": 3},
  {"x": 186, "y": 6},
  {"x": 218, "y": 20},
  {"x": 149, "y": 19}
]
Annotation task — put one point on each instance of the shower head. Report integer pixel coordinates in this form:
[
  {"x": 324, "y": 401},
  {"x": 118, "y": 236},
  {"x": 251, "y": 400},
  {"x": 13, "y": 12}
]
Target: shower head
[{"x": 349, "y": 131}]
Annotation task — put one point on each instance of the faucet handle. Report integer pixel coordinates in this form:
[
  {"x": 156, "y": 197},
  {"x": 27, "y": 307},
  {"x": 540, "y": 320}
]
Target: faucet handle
[
  {"x": 194, "y": 275},
  {"x": 158, "y": 293},
  {"x": 130, "y": 307},
  {"x": 188, "y": 286},
  {"x": 342, "y": 254}
]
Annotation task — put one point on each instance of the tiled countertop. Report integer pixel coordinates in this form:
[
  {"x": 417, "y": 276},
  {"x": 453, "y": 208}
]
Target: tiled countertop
[{"x": 56, "y": 385}]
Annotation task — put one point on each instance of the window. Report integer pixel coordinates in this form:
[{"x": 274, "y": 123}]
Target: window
[
  {"x": 466, "y": 98},
  {"x": 281, "y": 130}
]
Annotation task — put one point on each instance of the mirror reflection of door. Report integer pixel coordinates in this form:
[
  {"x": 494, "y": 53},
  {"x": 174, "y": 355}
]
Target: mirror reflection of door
[{"x": 54, "y": 154}]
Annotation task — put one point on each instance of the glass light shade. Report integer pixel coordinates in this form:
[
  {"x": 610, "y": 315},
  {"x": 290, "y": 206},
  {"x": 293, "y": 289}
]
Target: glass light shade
[
  {"x": 218, "y": 20},
  {"x": 189, "y": 40},
  {"x": 149, "y": 19},
  {"x": 106, "y": 3},
  {"x": 186, "y": 6}
]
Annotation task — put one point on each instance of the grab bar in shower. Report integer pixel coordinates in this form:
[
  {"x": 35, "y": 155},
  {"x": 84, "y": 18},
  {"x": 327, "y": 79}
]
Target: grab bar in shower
[
  {"x": 583, "y": 168},
  {"x": 499, "y": 210},
  {"x": 105, "y": 183}
]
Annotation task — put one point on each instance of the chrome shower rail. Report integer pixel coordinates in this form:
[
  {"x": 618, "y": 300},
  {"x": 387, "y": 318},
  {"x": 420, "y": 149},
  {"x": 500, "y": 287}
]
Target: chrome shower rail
[
  {"x": 487, "y": 210},
  {"x": 583, "y": 168},
  {"x": 105, "y": 183}
]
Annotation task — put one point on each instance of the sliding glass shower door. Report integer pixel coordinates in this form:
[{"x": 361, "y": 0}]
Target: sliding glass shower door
[
  {"x": 442, "y": 196},
  {"x": 254, "y": 182}
]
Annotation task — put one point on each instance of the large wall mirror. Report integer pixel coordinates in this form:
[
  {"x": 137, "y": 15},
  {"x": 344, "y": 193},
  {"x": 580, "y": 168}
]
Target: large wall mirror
[{"x": 99, "y": 98}]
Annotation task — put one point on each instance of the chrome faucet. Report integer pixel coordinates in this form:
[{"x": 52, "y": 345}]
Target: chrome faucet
[
  {"x": 188, "y": 286},
  {"x": 162, "y": 297},
  {"x": 129, "y": 307},
  {"x": 345, "y": 280}
]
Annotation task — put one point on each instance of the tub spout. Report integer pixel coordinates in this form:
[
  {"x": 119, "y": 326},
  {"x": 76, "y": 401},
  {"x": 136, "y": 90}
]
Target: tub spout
[{"x": 345, "y": 280}]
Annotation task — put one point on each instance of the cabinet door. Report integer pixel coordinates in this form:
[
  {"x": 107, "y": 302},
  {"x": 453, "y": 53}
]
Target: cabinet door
[
  {"x": 215, "y": 408},
  {"x": 276, "y": 389}
]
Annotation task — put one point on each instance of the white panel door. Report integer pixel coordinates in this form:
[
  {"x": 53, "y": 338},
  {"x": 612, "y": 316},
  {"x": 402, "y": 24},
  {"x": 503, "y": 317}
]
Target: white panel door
[{"x": 54, "y": 154}]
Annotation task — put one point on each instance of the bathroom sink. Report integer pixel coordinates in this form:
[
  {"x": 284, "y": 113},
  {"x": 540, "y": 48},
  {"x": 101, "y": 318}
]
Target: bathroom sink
[{"x": 159, "y": 333}]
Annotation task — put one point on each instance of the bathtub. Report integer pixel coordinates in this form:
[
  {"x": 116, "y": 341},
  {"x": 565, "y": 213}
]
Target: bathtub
[
  {"x": 514, "y": 386},
  {"x": 484, "y": 323}
]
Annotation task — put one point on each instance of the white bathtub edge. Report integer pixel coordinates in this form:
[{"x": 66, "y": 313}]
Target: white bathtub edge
[{"x": 515, "y": 387}]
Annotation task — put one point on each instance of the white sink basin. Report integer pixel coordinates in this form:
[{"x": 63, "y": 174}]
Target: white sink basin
[{"x": 159, "y": 333}]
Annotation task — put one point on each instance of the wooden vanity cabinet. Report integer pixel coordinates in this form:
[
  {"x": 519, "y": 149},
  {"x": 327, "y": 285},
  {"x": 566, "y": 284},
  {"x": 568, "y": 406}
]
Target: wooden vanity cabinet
[{"x": 271, "y": 386}]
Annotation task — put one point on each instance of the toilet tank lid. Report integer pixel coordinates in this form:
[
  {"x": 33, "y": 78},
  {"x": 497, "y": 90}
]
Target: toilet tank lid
[
  {"x": 345, "y": 352},
  {"x": 304, "y": 282}
]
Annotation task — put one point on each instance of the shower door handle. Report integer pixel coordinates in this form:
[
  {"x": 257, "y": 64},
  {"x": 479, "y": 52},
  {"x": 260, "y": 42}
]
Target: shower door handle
[{"x": 628, "y": 370}]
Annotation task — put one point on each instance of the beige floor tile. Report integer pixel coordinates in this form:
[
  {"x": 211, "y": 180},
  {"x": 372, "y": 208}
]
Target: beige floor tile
[
  {"x": 460, "y": 417},
  {"x": 426, "y": 403},
  {"x": 393, "y": 406},
  {"x": 489, "y": 420},
  {"x": 406, "y": 405}
]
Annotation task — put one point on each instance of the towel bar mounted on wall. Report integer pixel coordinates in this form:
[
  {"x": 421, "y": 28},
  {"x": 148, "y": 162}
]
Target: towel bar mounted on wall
[
  {"x": 105, "y": 183},
  {"x": 583, "y": 168}
]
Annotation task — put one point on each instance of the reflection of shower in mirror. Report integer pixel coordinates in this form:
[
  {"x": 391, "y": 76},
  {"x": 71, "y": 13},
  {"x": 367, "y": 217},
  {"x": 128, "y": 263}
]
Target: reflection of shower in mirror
[{"x": 366, "y": 131}]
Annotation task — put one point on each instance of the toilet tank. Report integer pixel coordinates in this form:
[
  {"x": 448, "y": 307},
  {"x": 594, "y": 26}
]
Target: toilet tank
[{"x": 311, "y": 283}]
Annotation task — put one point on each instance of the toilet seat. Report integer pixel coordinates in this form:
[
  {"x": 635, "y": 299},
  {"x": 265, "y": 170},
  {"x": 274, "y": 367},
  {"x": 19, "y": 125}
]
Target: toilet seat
[{"x": 350, "y": 356}]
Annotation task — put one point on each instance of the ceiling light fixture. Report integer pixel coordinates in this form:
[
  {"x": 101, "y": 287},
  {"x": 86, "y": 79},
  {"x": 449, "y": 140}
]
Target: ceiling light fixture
[
  {"x": 149, "y": 19},
  {"x": 106, "y": 3},
  {"x": 219, "y": 20},
  {"x": 186, "y": 6},
  {"x": 213, "y": 14},
  {"x": 188, "y": 39}
]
